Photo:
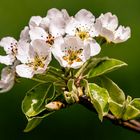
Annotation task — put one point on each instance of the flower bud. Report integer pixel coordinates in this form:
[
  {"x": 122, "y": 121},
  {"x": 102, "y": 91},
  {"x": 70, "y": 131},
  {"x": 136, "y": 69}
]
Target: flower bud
[{"x": 55, "y": 105}]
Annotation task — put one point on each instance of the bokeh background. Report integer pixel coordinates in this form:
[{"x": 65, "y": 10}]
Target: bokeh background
[{"x": 76, "y": 122}]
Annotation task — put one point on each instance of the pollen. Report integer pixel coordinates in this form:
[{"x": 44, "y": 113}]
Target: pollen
[
  {"x": 38, "y": 62},
  {"x": 73, "y": 56},
  {"x": 83, "y": 34},
  {"x": 50, "y": 39},
  {"x": 14, "y": 48}
]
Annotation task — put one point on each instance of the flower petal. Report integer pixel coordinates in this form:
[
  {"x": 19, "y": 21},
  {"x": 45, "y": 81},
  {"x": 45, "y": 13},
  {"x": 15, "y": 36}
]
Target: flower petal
[
  {"x": 25, "y": 52},
  {"x": 94, "y": 47},
  {"x": 54, "y": 13},
  {"x": 70, "y": 28},
  {"x": 56, "y": 28},
  {"x": 7, "y": 79},
  {"x": 108, "y": 21},
  {"x": 7, "y": 60},
  {"x": 65, "y": 15},
  {"x": 35, "y": 21},
  {"x": 45, "y": 23},
  {"x": 41, "y": 48},
  {"x": 24, "y": 35},
  {"x": 122, "y": 34},
  {"x": 84, "y": 15},
  {"x": 38, "y": 33},
  {"x": 25, "y": 71},
  {"x": 7, "y": 43}
]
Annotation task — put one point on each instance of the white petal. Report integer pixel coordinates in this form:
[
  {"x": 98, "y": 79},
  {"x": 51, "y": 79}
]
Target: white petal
[
  {"x": 41, "y": 48},
  {"x": 24, "y": 35},
  {"x": 56, "y": 48},
  {"x": 107, "y": 34},
  {"x": 35, "y": 21},
  {"x": 57, "y": 52},
  {"x": 7, "y": 74},
  {"x": 122, "y": 34},
  {"x": 71, "y": 26},
  {"x": 7, "y": 79},
  {"x": 56, "y": 28},
  {"x": 45, "y": 23},
  {"x": 24, "y": 71},
  {"x": 2, "y": 85},
  {"x": 7, "y": 43},
  {"x": 77, "y": 65},
  {"x": 5, "y": 87},
  {"x": 94, "y": 48},
  {"x": 84, "y": 15},
  {"x": 65, "y": 15},
  {"x": 25, "y": 52},
  {"x": 54, "y": 13},
  {"x": 108, "y": 21},
  {"x": 38, "y": 33},
  {"x": 7, "y": 60}
]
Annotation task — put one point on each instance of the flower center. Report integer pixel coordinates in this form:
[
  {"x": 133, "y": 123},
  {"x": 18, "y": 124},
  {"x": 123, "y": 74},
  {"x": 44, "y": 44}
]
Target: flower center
[
  {"x": 38, "y": 62},
  {"x": 73, "y": 56},
  {"x": 50, "y": 39},
  {"x": 14, "y": 49},
  {"x": 83, "y": 34}
]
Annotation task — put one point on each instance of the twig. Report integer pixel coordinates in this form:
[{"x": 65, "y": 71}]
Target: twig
[{"x": 130, "y": 124}]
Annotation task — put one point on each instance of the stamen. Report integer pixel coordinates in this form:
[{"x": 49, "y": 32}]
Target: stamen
[
  {"x": 73, "y": 56},
  {"x": 38, "y": 62},
  {"x": 82, "y": 33},
  {"x": 50, "y": 39}
]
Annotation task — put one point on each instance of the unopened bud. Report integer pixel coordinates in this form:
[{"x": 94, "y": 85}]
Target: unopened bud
[
  {"x": 55, "y": 105},
  {"x": 80, "y": 92},
  {"x": 71, "y": 97}
]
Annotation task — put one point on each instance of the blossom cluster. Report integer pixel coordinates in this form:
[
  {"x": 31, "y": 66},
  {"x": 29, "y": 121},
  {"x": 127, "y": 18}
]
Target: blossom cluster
[{"x": 70, "y": 39}]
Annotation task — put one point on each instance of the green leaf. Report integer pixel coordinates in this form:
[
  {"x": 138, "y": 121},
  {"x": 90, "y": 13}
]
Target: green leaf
[
  {"x": 88, "y": 65},
  {"x": 84, "y": 83},
  {"x": 47, "y": 78},
  {"x": 105, "y": 66},
  {"x": 71, "y": 96},
  {"x": 99, "y": 98},
  {"x": 117, "y": 96},
  {"x": 115, "y": 93},
  {"x": 53, "y": 75},
  {"x": 132, "y": 110},
  {"x": 32, "y": 123},
  {"x": 71, "y": 85},
  {"x": 34, "y": 101},
  {"x": 116, "y": 109},
  {"x": 35, "y": 121}
]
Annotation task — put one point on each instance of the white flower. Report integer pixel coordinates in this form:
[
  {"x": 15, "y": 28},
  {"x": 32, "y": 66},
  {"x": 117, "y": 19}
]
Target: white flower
[
  {"x": 70, "y": 51},
  {"x": 107, "y": 27},
  {"x": 37, "y": 21},
  {"x": 82, "y": 26},
  {"x": 34, "y": 58},
  {"x": 40, "y": 34},
  {"x": 50, "y": 27},
  {"x": 53, "y": 24},
  {"x": 7, "y": 78},
  {"x": 58, "y": 20},
  {"x": 10, "y": 47}
]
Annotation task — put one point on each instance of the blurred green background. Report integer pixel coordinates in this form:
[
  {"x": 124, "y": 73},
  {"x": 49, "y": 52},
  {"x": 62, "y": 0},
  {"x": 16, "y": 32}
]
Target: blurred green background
[{"x": 75, "y": 122}]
